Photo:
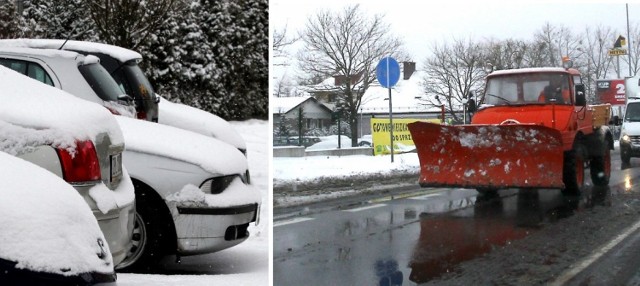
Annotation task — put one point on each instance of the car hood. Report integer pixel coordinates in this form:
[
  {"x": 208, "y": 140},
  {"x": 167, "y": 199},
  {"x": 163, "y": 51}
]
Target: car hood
[
  {"x": 210, "y": 154},
  {"x": 46, "y": 225},
  {"x": 199, "y": 121},
  {"x": 31, "y": 104}
]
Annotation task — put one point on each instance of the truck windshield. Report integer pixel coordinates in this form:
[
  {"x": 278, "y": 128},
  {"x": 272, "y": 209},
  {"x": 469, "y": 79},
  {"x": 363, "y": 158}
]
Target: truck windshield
[
  {"x": 526, "y": 88},
  {"x": 633, "y": 112}
]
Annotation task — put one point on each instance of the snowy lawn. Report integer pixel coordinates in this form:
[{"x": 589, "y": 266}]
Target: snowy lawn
[
  {"x": 253, "y": 254},
  {"x": 311, "y": 168}
]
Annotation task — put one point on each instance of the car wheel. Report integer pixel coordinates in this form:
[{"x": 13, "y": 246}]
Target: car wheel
[
  {"x": 624, "y": 156},
  {"x": 150, "y": 239}
]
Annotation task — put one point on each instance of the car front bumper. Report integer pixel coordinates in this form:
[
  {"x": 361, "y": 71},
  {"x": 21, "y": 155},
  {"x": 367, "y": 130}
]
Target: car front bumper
[
  {"x": 210, "y": 229},
  {"x": 629, "y": 149}
]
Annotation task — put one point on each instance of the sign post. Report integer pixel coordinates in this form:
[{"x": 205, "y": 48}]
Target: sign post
[{"x": 388, "y": 74}]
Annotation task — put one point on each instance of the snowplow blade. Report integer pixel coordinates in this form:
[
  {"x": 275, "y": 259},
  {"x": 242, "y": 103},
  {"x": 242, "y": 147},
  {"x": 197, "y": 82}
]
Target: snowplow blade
[{"x": 488, "y": 156}]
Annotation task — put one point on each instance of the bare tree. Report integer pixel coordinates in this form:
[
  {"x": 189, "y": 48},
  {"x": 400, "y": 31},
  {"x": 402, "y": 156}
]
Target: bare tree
[
  {"x": 281, "y": 40},
  {"x": 558, "y": 42},
  {"x": 347, "y": 44},
  {"x": 507, "y": 54},
  {"x": 593, "y": 58},
  {"x": 127, "y": 23},
  {"x": 452, "y": 72}
]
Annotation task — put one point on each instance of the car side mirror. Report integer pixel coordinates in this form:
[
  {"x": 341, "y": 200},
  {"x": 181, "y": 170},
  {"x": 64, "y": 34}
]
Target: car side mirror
[{"x": 581, "y": 99}]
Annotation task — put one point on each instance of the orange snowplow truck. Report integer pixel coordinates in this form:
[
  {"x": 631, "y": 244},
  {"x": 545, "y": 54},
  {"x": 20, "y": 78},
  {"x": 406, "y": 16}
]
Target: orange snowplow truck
[{"x": 533, "y": 130}]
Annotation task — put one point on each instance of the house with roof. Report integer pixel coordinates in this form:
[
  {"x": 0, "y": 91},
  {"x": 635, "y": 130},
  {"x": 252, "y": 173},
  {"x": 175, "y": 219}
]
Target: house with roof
[{"x": 297, "y": 115}]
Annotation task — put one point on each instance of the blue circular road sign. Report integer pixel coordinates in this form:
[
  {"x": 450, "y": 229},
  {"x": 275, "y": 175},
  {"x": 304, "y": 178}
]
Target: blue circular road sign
[{"x": 388, "y": 72}]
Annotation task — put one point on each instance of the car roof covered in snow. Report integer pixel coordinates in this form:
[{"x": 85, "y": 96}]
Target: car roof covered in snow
[
  {"x": 116, "y": 52},
  {"x": 59, "y": 117}
]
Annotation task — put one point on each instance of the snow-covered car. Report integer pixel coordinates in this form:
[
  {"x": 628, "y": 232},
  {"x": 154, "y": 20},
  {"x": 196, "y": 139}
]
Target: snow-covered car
[
  {"x": 122, "y": 64},
  {"x": 49, "y": 235},
  {"x": 79, "y": 141},
  {"x": 161, "y": 171},
  {"x": 192, "y": 193}
]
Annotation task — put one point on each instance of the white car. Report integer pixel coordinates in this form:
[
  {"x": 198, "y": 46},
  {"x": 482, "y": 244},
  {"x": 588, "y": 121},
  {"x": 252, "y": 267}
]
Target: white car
[
  {"x": 76, "y": 140},
  {"x": 122, "y": 64},
  {"x": 165, "y": 162},
  {"x": 630, "y": 131},
  {"x": 49, "y": 235}
]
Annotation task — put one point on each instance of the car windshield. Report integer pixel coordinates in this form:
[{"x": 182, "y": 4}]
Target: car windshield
[
  {"x": 633, "y": 112},
  {"x": 523, "y": 88},
  {"x": 101, "y": 82}
]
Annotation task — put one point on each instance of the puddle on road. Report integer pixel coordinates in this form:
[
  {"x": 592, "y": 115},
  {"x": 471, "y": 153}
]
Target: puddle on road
[{"x": 446, "y": 240}]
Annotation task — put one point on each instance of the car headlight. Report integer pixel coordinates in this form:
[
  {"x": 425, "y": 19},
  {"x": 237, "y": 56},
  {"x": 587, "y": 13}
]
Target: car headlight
[
  {"x": 624, "y": 137},
  {"x": 218, "y": 184}
]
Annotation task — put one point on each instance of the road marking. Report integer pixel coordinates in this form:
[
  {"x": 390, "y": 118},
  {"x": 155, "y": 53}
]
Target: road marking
[
  {"x": 365, "y": 208},
  {"x": 564, "y": 278},
  {"x": 295, "y": 220},
  {"x": 425, "y": 197},
  {"x": 402, "y": 196}
]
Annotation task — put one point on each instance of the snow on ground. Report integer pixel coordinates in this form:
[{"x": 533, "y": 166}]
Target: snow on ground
[
  {"x": 310, "y": 168},
  {"x": 255, "y": 133}
]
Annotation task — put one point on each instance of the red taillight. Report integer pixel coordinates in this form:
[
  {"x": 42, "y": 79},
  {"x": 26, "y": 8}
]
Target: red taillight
[
  {"x": 83, "y": 166},
  {"x": 142, "y": 115}
]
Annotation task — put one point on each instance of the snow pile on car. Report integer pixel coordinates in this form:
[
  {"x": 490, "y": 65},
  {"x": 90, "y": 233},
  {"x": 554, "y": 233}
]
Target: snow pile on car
[
  {"x": 210, "y": 154},
  {"x": 236, "y": 194},
  {"x": 119, "y": 53},
  {"x": 32, "y": 104},
  {"x": 200, "y": 121},
  {"x": 46, "y": 225}
]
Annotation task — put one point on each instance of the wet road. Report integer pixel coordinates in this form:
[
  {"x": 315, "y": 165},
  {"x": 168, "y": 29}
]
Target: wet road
[{"x": 415, "y": 239}]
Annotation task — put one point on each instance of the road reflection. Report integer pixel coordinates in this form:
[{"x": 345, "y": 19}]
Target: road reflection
[{"x": 446, "y": 240}]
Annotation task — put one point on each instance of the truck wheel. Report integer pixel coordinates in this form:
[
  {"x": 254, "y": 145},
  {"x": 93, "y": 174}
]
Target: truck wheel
[
  {"x": 601, "y": 167},
  {"x": 149, "y": 232},
  {"x": 573, "y": 171}
]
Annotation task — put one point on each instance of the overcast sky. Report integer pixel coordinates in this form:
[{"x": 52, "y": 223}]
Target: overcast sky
[{"x": 420, "y": 25}]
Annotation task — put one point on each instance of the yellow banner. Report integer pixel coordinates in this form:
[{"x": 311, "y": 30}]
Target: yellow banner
[{"x": 402, "y": 142}]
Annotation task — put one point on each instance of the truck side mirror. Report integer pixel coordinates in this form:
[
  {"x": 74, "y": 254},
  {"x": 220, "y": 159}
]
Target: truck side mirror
[{"x": 581, "y": 99}]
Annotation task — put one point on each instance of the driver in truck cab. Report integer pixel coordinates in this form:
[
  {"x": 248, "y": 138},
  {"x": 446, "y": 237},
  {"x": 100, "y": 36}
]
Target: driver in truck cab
[{"x": 558, "y": 90}]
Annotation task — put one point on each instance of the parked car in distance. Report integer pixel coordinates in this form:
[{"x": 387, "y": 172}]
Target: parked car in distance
[
  {"x": 162, "y": 169},
  {"x": 76, "y": 140},
  {"x": 49, "y": 235}
]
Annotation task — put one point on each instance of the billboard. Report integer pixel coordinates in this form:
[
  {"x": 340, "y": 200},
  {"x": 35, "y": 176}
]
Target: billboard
[
  {"x": 402, "y": 142},
  {"x": 611, "y": 91}
]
